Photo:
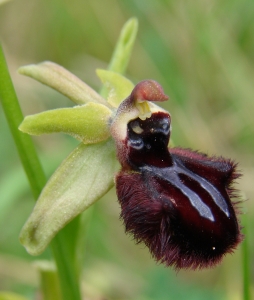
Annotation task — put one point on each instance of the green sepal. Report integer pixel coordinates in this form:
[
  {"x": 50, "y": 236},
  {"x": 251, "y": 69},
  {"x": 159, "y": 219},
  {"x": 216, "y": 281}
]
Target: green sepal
[
  {"x": 63, "y": 81},
  {"x": 119, "y": 87},
  {"x": 87, "y": 123},
  {"x": 82, "y": 178}
]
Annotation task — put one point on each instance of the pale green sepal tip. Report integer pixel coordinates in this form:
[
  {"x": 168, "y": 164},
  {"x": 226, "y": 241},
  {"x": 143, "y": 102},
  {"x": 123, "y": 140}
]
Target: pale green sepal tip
[
  {"x": 119, "y": 87},
  {"x": 87, "y": 123},
  {"x": 63, "y": 81},
  {"x": 11, "y": 296},
  {"x": 82, "y": 178}
]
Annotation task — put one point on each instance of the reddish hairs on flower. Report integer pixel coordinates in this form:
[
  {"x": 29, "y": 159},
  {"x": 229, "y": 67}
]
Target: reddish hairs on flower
[{"x": 176, "y": 201}]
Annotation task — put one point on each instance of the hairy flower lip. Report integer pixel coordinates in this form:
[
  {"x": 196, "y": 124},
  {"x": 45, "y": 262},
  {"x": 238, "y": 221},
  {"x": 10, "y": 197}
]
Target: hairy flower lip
[{"x": 178, "y": 202}]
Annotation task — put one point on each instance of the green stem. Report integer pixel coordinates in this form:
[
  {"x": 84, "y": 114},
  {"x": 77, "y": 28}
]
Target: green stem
[
  {"x": 66, "y": 267},
  {"x": 23, "y": 142},
  {"x": 49, "y": 280},
  {"x": 246, "y": 260},
  {"x": 69, "y": 281}
]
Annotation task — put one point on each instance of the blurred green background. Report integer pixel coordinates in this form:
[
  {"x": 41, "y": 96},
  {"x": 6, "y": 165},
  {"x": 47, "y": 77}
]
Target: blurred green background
[{"x": 202, "y": 53}]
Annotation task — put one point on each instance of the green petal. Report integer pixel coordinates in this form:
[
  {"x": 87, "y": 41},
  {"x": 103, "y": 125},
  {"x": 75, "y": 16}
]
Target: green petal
[
  {"x": 87, "y": 123},
  {"x": 123, "y": 49},
  {"x": 63, "y": 81},
  {"x": 119, "y": 86},
  {"x": 83, "y": 177}
]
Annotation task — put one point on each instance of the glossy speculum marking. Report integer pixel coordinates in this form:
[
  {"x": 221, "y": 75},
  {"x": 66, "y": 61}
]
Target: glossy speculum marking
[{"x": 176, "y": 201}]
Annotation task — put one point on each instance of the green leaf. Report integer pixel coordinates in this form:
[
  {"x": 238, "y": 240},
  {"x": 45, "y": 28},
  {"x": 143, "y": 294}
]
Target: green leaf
[
  {"x": 83, "y": 177},
  {"x": 11, "y": 296},
  {"x": 87, "y": 123},
  {"x": 63, "y": 81},
  {"x": 119, "y": 87}
]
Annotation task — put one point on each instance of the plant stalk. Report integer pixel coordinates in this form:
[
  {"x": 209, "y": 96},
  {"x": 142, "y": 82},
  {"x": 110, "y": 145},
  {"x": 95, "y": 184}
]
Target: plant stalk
[{"x": 66, "y": 267}]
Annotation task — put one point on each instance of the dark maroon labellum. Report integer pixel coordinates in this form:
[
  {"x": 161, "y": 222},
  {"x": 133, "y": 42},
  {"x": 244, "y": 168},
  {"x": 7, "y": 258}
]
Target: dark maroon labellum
[{"x": 176, "y": 201}]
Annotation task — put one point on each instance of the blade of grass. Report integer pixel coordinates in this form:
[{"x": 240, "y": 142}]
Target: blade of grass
[{"x": 29, "y": 158}]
